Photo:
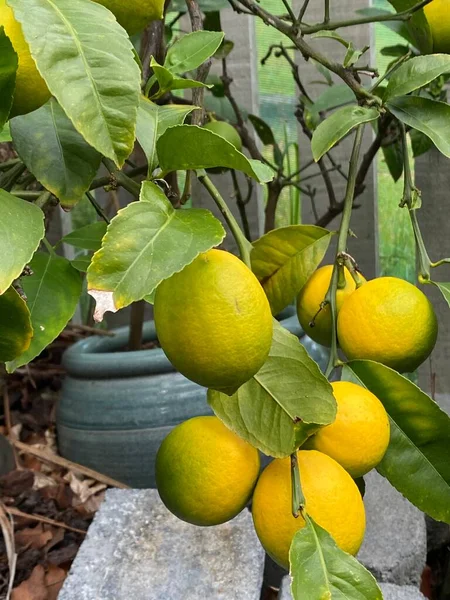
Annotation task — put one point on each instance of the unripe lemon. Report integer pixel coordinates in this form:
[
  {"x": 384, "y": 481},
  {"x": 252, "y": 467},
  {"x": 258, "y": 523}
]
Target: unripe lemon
[
  {"x": 31, "y": 91},
  {"x": 359, "y": 437},
  {"x": 227, "y": 131},
  {"x": 317, "y": 325},
  {"x": 213, "y": 321},
  {"x": 332, "y": 499},
  {"x": 438, "y": 17},
  {"x": 390, "y": 321},
  {"x": 205, "y": 473},
  {"x": 135, "y": 15}
]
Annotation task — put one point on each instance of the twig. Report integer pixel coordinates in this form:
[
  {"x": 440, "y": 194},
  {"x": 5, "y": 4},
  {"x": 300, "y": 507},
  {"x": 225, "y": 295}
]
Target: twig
[
  {"x": 18, "y": 513},
  {"x": 98, "y": 209},
  {"x": 67, "y": 464},
  {"x": 93, "y": 330},
  {"x": 122, "y": 179},
  {"x": 241, "y": 205},
  {"x": 136, "y": 325},
  {"x": 152, "y": 45},
  {"x": 8, "y": 538},
  {"x": 301, "y": 14}
]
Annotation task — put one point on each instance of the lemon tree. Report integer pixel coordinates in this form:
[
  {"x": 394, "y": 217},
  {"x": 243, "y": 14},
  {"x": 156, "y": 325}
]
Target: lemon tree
[{"x": 77, "y": 93}]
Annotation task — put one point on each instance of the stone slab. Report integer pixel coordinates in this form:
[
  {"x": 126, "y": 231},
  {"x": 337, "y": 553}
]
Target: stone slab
[
  {"x": 395, "y": 544},
  {"x": 389, "y": 590},
  {"x": 135, "y": 549}
]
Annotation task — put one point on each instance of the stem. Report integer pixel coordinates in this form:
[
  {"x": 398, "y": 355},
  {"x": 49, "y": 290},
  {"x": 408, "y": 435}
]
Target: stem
[
  {"x": 289, "y": 10},
  {"x": 326, "y": 18},
  {"x": 187, "y": 192},
  {"x": 48, "y": 246},
  {"x": 424, "y": 259},
  {"x": 342, "y": 244},
  {"x": 393, "y": 68},
  {"x": 301, "y": 14},
  {"x": 43, "y": 199},
  {"x": 107, "y": 180},
  {"x": 97, "y": 207},
  {"x": 128, "y": 184},
  {"x": 136, "y": 325},
  {"x": 298, "y": 499},
  {"x": 242, "y": 242},
  {"x": 9, "y": 177},
  {"x": 241, "y": 205}
]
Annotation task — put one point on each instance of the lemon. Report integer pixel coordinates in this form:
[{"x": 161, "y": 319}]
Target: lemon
[
  {"x": 390, "y": 321},
  {"x": 359, "y": 437},
  {"x": 332, "y": 499},
  {"x": 205, "y": 473},
  {"x": 227, "y": 131},
  {"x": 213, "y": 321},
  {"x": 135, "y": 15},
  {"x": 438, "y": 17},
  {"x": 317, "y": 325},
  {"x": 31, "y": 91}
]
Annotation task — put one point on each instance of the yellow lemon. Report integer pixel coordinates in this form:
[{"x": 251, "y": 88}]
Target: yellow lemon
[
  {"x": 205, "y": 473},
  {"x": 135, "y": 15},
  {"x": 31, "y": 91},
  {"x": 390, "y": 321},
  {"x": 213, "y": 321},
  {"x": 438, "y": 16},
  {"x": 359, "y": 437},
  {"x": 315, "y": 322},
  {"x": 332, "y": 499}
]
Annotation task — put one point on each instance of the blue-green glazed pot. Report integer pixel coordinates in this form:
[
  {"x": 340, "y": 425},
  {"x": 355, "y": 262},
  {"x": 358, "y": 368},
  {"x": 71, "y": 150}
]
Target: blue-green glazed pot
[{"x": 116, "y": 407}]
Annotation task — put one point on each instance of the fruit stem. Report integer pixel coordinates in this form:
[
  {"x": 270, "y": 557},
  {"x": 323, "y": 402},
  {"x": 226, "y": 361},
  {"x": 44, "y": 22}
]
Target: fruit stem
[
  {"x": 298, "y": 499},
  {"x": 243, "y": 244},
  {"x": 342, "y": 246}
]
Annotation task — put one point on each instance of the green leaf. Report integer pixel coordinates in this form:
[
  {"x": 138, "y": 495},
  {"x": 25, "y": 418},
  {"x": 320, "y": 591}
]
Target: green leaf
[
  {"x": 263, "y": 130},
  {"x": 333, "y": 97},
  {"x": 320, "y": 570},
  {"x": 167, "y": 81},
  {"x": 445, "y": 290},
  {"x": 285, "y": 402},
  {"x": 56, "y": 154},
  {"x": 192, "y": 50},
  {"x": 81, "y": 263},
  {"x": 393, "y": 155},
  {"x": 430, "y": 117},
  {"x": 338, "y": 125},
  {"x": 285, "y": 258},
  {"x": 416, "y": 73},
  {"x": 417, "y": 26},
  {"x": 52, "y": 291},
  {"x": 21, "y": 230},
  {"x": 8, "y": 69},
  {"x": 86, "y": 59},
  {"x": 152, "y": 122},
  {"x": 88, "y": 237},
  {"x": 420, "y": 143},
  {"x": 15, "y": 325},
  {"x": 145, "y": 243},
  {"x": 416, "y": 461},
  {"x": 188, "y": 147},
  {"x": 352, "y": 56},
  {"x": 5, "y": 134}
]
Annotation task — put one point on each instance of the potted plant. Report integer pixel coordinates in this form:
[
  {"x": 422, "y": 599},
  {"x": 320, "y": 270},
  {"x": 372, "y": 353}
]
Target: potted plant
[{"x": 90, "y": 107}]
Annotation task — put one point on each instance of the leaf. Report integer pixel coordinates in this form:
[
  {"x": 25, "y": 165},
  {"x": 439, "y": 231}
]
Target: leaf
[
  {"x": 445, "y": 290},
  {"x": 416, "y": 73},
  {"x": 8, "y": 69},
  {"x": 167, "y": 81},
  {"x": 285, "y": 402},
  {"x": 52, "y": 291},
  {"x": 86, "y": 59},
  {"x": 88, "y": 237},
  {"x": 393, "y": 155},
  {"x": 21, "y": 230},
  {"x": 56, "y": 154},
  {"x": 15, "y": 325},
  {"x": 81, "y": 263},
  {"x": 352, "y": 56},
  {"x": 263, "y": 130},
  {"x": 152, "y": 122},
  {"x": 338, "y": 125},
  {"x": 321, "y": 570},
  {"x": 145, "y": 243},
  {"x": 417, "y": 25},
  {"x": 416, "y": 461},
  {"x": 333, "y": 97},
  {"x": 188, "y": 147},
  {"x": 192, "y": 50},
  {"x": 5, "y": 134},
  {"x": 420, "y": 143},
  {"x": 285, "y": 258},
  {"x": 430, "y": 117}
]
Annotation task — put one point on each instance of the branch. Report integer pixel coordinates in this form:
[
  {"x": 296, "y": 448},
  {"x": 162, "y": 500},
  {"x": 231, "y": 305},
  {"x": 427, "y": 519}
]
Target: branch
[{"x": 196, "y": 17}]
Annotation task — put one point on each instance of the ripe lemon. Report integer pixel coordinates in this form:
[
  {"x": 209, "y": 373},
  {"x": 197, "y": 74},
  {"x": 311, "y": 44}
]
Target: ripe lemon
[
  {"x": 135, "y": 15},
  {"x": 205, "y": 473},
  {"x": 359, "y": 437},
  {"x": 227, "y": 131},
  {"x": 31, "y": 91},
  {"x": 438, "y": 17},
  {"x": 213, "y": 321},
  {"x": 318, "y": 324},
  {"x": 332, "y": 499},
  {"x": 390, "y": 321}
]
